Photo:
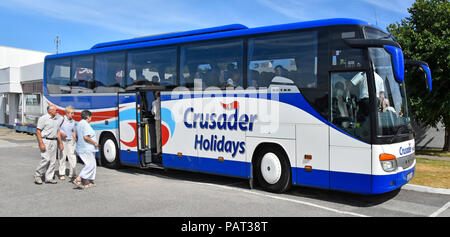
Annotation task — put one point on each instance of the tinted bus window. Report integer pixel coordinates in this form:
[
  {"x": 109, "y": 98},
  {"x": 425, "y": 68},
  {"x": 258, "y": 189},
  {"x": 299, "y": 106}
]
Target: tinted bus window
[
  {"x": 292, "y": 56},
  {"x": 152, "y": 67},
  {"x": 109, "y": 72},
  {"x": 217, "y": 64},
  {"x": 58, "y": 76},
  {"x": 82, "y": 79}
]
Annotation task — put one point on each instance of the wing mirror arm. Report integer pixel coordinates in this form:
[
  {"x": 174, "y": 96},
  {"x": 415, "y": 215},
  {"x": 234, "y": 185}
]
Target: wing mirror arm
[{"x": 424, "y": 67}]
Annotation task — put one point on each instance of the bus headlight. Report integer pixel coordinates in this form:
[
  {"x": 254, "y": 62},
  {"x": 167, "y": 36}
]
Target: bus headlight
[{"x": 388, "y": 162}]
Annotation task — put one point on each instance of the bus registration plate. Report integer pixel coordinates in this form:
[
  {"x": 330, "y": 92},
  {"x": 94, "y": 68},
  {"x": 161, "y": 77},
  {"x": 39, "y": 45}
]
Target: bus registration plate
[{"x": 409, "y": 176}]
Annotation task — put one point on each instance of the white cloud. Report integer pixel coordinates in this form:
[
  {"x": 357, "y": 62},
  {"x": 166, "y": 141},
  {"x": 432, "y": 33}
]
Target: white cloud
[
  {"x": 381, "y": 11},
  {"x": 129, "y": 17},
  {"x": 399, "y": 6}
]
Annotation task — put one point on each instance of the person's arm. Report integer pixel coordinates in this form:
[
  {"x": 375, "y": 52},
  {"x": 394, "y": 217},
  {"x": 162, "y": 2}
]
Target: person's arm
[
  {"x": 74, "y": 134},
  {"x": 90, "y": 140},
  {"x": 61, "y": 146},
  {"x": 39, "y": 137}
]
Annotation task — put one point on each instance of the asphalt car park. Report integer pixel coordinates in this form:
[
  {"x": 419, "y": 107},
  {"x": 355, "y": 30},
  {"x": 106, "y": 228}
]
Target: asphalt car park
[{"x": 133, "y": 192}]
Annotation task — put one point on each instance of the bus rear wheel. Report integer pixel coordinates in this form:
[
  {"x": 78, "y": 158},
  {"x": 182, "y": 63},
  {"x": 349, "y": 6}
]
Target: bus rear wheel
[
  {"x": 273, "y": 171},
  {"x": 109, "y": 151}
]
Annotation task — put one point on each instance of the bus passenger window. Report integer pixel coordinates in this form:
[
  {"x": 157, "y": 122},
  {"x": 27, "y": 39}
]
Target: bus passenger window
[
  {"x": 109, "y": 72},
  {"x": 58, "y": 76},
  {"x": 215, "y": 65},
  {"x": 293, "y": 56},
  {"x": 152, "y": 67},
  {"x": 82, "y": 79}
]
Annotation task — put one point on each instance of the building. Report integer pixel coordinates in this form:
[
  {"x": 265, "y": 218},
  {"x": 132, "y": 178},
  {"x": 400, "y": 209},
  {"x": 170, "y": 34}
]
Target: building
[{"x": 21, "y": 75}]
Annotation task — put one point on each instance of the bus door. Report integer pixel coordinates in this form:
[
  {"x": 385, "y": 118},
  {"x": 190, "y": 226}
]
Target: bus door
[
  {"x": 149, "y": 128},
  {"x": 129, "y": 114}
]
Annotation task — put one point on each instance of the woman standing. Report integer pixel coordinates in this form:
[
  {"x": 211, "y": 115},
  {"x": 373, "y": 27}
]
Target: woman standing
[{"x": 86, "y": 148}]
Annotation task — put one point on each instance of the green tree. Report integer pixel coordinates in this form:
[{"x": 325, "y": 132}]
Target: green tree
[{"x": 424, "y": 35}]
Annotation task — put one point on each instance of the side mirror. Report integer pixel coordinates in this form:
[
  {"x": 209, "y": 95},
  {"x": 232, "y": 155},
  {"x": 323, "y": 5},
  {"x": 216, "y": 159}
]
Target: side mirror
[
  {"x": 424, "y": 67},
  {"x": 398, "y": 61},
  {"x": 393, "y": 48}
]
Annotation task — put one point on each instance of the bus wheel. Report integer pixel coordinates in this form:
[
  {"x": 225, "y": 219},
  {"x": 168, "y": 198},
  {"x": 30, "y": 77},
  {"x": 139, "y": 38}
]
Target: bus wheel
[
  {"x": 109, "y": 151},
  {"x": 273, "y": 171}
]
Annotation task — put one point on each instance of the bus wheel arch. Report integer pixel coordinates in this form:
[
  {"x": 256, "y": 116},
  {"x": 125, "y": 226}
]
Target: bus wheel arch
[
  {"x": 271, "y": 167},
  {"x": 109, "y": 150}
]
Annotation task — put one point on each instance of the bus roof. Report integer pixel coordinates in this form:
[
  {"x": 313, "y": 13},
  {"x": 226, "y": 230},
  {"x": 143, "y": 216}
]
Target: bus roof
[
  {"x": 206, "y": 34},
  {"x": 171, "y": 35}
]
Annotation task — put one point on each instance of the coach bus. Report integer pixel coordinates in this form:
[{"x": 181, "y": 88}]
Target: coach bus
[{"x": 318, "y": 103}]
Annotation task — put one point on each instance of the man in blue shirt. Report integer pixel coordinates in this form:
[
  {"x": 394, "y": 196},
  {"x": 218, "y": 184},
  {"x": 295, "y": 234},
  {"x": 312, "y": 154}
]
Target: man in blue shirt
[{"x": 68, "y": 137}]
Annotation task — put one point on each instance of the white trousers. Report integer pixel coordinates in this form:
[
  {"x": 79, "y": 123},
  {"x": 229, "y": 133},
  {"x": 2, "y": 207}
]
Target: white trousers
[
  {"x": 69, "y": 152},
  {"x": 90, "y": 166}
]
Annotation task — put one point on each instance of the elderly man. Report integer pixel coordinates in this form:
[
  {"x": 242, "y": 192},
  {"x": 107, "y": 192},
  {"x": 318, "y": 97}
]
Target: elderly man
[
  {"x": 48, "y": 136},
  {"x": 68, "y": 137}
]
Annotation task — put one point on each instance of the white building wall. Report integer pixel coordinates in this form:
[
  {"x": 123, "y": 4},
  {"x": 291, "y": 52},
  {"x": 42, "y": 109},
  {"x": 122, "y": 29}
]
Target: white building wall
[
  {"x": 17, "y": 66},
  {"x": 32, "y": 72},
  {"x": 10, "y": 80},
  {"x": 14, "y": 57}
]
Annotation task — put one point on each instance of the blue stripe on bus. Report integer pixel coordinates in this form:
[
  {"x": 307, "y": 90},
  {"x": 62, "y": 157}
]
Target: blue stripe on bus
[
  {"x": 207, "y": 165},
  {"x": 333, "y": 180},
  {"x": 114, "y": 124},
  {"x": 341, "y": 181}
]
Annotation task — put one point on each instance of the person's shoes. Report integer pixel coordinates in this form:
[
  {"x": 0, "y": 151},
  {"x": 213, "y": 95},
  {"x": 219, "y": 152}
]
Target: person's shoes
[
  {"x": 37, "y": 180},
  {"x": 52, "y": 181},
  {"x": 62, "y": 177}
]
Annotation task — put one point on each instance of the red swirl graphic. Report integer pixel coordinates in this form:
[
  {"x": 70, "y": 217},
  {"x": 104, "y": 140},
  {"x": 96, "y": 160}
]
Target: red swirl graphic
[
  {"x": 133, "y": 143},
  {"x": 165, "y": 134}
]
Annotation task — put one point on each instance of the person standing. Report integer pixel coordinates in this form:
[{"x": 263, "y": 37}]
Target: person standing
[
  {"x": 68, "y": 137},
  {"x": 86, "y": 147},
  {"x": 156, "y": 111},
  {"x": 48, "y": 136}
]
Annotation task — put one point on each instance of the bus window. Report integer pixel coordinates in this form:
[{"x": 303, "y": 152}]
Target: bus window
[
  {"x": 152, "y": 67},
  {"x": 82, "y": 79},
  {"x": 217, "y": 64},
  {"x": 109, "y": 72},
  {"x": 58, "y": 76},
  {"x": 292, "y": 56}
]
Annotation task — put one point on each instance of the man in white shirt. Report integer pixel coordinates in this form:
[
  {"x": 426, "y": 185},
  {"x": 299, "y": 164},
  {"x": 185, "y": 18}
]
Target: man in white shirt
[
  {"x": 48, "y": 136},
  {"x": 360, "y": 80},
  {"x": 156, "y": 111}
]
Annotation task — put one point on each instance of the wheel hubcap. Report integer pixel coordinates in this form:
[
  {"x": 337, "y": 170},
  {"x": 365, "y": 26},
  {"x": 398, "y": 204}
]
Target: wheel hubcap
[
  {"x": 271, "y": 168},
  {"x": 109, "y": 150}
]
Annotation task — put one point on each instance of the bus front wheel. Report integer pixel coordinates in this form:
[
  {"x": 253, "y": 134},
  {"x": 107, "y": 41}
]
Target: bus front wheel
[
  {"x": 109, "y": 151},
  {"x": 273, "y": 171}
]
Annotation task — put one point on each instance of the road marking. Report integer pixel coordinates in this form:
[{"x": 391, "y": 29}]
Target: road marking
[
  {"x": 225, "y": 186},
  {"x": 442, "y": 209},
  {"x": 283, "y": 199}
]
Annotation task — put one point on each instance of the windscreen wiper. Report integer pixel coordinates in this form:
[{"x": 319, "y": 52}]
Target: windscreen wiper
[{"x": 397, "y": 132}]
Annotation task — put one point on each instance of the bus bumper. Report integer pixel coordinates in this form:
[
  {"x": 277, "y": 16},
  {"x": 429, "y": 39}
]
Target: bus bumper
[{"x": 387, "y": 183}]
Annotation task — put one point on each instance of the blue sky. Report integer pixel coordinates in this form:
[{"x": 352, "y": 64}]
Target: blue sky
[{"x": 80, "y": 24}]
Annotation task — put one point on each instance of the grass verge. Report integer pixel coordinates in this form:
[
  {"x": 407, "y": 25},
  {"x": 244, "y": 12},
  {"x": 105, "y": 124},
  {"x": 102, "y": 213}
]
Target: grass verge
[
  {"x": 432, "y": 173},
  {"x": 433, "y": 152}
]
